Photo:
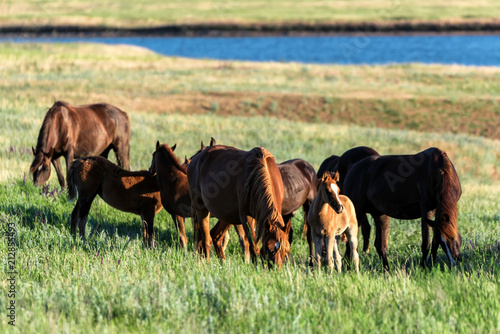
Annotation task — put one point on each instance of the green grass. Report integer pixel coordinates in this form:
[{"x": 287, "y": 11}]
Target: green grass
[
  {"x": 154, "y": 13},
  {"x": 112, "y": 284}
]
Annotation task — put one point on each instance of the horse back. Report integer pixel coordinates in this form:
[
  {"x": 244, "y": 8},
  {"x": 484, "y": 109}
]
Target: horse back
[
  {"x": 215, "y": 177},
  {"x": 299, "y": 183},
  {"x": 124, "y": 190}
]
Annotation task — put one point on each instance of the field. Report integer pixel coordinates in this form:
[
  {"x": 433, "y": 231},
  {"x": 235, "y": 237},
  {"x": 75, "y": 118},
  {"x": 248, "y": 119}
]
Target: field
[
  {"x": 112, "y": 284},
  {"x": 156, "y": 13}
]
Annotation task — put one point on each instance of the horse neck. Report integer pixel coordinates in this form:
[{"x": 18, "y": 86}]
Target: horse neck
[
  {"x": 48, "y": 136},
  {"x": 171, "y": 172},
  {"x": 320, "y": 200},
  {"x": 449, "y": 194}
]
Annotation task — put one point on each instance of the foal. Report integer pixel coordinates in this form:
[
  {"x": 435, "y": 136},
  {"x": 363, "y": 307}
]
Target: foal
[
  {"x": 135, "y": 192},
  {"x": 331, "y": 215}
]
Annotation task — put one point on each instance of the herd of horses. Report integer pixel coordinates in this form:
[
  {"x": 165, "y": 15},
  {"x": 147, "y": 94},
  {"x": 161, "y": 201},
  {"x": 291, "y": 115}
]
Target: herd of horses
[{"x": 250, "y": 191}]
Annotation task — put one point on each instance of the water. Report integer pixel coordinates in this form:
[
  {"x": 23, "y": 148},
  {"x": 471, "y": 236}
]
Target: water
[{"x": 481, "y": 50}]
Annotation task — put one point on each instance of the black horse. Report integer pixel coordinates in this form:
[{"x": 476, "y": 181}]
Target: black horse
[{"x": 409, "y": 187}]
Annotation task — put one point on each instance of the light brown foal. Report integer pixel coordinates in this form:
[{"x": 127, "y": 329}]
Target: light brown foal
[{"x": 331, "y": 215}]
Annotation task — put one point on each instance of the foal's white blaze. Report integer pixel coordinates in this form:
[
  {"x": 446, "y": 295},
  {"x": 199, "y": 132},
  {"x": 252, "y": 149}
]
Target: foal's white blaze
[
  {"x": 452, "y": 261},
  {"x": 335, "y": 188}
]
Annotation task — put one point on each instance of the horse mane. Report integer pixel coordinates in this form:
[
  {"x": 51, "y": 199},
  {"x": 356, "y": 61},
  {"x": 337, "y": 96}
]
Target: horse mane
[
  {"x": 449, "y": 194},
  {"x": 258, "y": 189},
  {"x": 175, "y": 159},
  {"x": 43, "y": 135}
]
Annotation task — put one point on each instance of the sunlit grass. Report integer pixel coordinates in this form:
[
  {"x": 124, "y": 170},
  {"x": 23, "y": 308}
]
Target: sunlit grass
[{"x": 111, "y": 284}]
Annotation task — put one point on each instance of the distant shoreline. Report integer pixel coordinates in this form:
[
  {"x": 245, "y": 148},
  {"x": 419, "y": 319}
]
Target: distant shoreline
[{"x": 257, "y": 29}]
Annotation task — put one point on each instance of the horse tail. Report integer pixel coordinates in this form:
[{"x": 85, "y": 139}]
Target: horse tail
[
  {"x": 259, "y": 189},
  {"x": 72, "y": 179},
  {"x": 449, "y": 192}
]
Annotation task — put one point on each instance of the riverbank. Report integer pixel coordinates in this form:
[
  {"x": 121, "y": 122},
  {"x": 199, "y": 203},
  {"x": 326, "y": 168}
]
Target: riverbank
[{"x": 258, "y": 29}]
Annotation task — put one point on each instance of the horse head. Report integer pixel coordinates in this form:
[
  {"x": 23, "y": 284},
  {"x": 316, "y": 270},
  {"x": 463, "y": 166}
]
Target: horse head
[
  {"x": 153, "y": 168},
  {"x": 331, "y": 190},
  {"x": 40, "y": 167},
  {"x": 275, "y": 244}
]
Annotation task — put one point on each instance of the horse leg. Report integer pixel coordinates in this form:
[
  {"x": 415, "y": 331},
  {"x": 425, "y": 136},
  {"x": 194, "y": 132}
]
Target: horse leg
[
  {"x": 80, "y": 214},
  {"x": 365, "y": 230},
  {"x": 181, "y": 231},
  {"x": 382, "y": 223},
  {"x": 244, "y": 242},
  {"x": 122, "y": 151},
  {"x": 435, "y": 244},
  {"x": 248, "y": 224},
  {"x": 426, "y": 238},
  {"x": 217, "y": 234},
  {"x": 206, "y": 242},
  {"x": 318, "y": 249},
  {"x": 58, "y": 168},
  {"x": 352, "y": 237},
  {"x": 148, "y": 217},
  {"x": 338, "y": 258},
  {"x": 328, "y": 256}
]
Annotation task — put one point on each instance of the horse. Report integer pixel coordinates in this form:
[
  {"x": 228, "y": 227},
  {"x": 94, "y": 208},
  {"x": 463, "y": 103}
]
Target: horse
[
  {"x": 234, "y": 186},
  {"x": 331, "y": 215},
  {"x": 174, "y": 188},
  {"x": 409, "y": 187},
  {"x": 300, "y": 188},
  {"x": 171, "y": 176},
  {"x": 135, "y": 192},
  {"x": 79, "y": 131}
]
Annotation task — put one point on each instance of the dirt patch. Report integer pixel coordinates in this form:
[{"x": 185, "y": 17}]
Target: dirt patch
[{"x": 475, "y": 117}]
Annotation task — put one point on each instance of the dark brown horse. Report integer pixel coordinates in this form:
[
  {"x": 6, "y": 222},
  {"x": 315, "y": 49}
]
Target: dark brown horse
[
  {"x": 234, "y": 186},
  {"x": 171, "y": 176},
  {"x": 409, "y": 187},
  {"x": 79, "y": 131},
  {"x": 135, "y": 192}
]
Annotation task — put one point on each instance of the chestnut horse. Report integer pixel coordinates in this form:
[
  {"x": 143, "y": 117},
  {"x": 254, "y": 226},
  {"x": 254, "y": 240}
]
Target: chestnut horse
[
  {"x": 300, "y": 188},
  {"x": 331, "y": 215},
  {"x": 174, "y": 189},
  {"x": 234, "y": 186},
  {"x": 135, "y": 192},
  {"x": 79, "y": 131},
  {"x": 409, "y": 187}
]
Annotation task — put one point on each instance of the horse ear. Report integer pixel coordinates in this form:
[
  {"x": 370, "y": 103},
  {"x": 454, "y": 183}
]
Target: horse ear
[
  {"x": 202, "y": 146},
  {"x": 186, "y": 161},
  {"x": 336, "y": 177},
  {"x": 173, "y": 147},
  {"x": 157, "y": 144},
  {"x": 34, "y": 152},
  {"x": 212, "y": 141}
]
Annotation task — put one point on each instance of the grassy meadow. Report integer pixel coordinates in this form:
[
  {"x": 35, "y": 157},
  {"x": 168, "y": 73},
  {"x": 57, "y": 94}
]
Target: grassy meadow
[
  {"x": 156, "y": 13},
  {"x": 112, "y": 284}
]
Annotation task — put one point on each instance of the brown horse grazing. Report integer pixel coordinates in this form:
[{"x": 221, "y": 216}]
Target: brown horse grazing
[
  {"x": 135, "y": 192},
  {"x": 331, "y": 215},
  {"x": 300, "y": 188},
  {"x": 409, "y": 187},
  {"x": 79, "y": 131},
  {"x": 234, "y": 185}
]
